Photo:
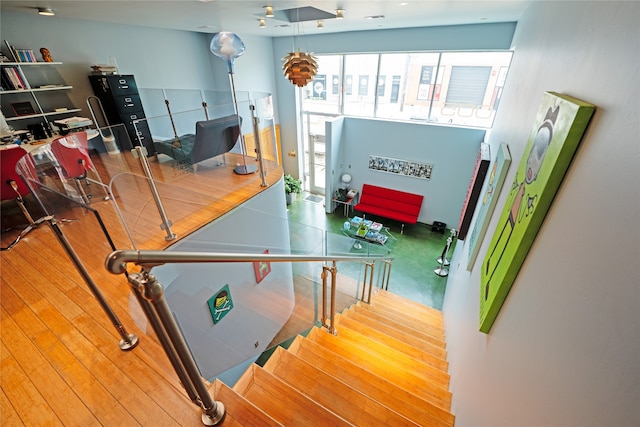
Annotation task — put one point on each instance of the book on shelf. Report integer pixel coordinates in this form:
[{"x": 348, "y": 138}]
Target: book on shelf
[
  {"x": 26, "y": 55},
  {"x": 14, "y": 78},
  {"x": 21, "y": 55},
  {"x": 376, "y": 226},
  {"x": 367, "y": 222}
]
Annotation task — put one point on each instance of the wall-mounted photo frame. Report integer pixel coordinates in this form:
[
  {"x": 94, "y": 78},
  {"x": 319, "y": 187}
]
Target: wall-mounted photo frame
[
  {"x": 262, "y": 268},
  {"x": 23, "y": 108},
  {"x": 400, "y": 167}
]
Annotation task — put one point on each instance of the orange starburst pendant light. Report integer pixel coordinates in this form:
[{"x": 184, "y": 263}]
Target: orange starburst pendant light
[{"x": 299, "y": 67}]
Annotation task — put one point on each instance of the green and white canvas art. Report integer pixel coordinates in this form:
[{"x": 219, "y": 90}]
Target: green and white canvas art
[{"x": 557, "y": 132}]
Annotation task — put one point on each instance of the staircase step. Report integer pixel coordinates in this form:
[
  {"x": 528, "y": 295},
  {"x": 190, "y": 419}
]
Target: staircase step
[
  {"x": 396, "y": 330},
  {"x": 238, "y": 410},
  {"x": 328, "y": 391},
  {"x": 403, "y": 401},
  {"x": 396, "y": 344},
  {"x": 410, "y": 307},
  {"x": 391, "y": 355},
  {"x": 385, "y": 366},
  {"x": 282, "y": 402},
  {"x": 428, "y": 322},
  {"x": 435, "y": 332}
]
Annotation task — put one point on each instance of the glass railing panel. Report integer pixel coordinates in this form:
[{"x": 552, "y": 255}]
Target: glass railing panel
[
  {"x": 272, "y": 301},
  {"x": 80, "y": 204}
]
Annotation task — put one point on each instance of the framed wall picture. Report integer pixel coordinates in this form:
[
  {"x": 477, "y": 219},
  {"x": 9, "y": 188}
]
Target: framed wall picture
[
  {"x": 400, "y": 167},
  {"x": 262, "y": 268},
  {"x": 23, "y": 108},
  {"x": 489, "y": 197},
  {"x": 473, "y": 191},
  {"x": 560, "y": 123}
]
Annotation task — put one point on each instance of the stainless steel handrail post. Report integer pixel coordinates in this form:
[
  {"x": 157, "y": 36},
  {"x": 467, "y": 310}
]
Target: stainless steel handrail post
[
  {"x": 128, "y": 341},
  {"x": 138, "y": 283},
  {"x": 166, "y": 222},
  {"x": 332, "y": 314},
  {"x": 386, "y": 273},
  {"x": 256, "y": 132},
  {"x": 323, "y": 319},
  {"x": 153, "y": 292},
  {"x": 369, "y": 268}
]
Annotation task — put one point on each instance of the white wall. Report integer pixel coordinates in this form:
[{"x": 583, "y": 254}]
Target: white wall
[
  {"x": 565, "y": 348},
  {"x": 452, "y": 152},
  {"x": 158, "y": 58}
]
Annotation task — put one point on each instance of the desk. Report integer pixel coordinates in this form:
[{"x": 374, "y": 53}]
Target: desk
[{"x": 347, "y": 202}]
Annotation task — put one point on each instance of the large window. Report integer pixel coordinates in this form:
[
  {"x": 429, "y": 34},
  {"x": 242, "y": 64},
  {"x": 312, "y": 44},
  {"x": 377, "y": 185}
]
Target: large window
[{"x": 459, "y": 88}]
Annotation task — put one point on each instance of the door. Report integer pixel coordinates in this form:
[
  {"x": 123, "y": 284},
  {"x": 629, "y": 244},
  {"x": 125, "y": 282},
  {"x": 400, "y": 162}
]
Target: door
[{"x": 314, "y": 153}]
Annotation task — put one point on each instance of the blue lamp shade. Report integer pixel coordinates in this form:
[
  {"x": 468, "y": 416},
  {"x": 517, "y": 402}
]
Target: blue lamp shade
[{"x": 228, "y": 46}]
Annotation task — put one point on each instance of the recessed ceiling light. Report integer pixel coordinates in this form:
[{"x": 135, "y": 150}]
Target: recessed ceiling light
[
  {"x": 262, "y": 22},
  {"x": 320, "y": 25},
  {"x": 339, "y": 13},
  {"x": 374, "y": 17},
  {"x": 45, "y": 11}
]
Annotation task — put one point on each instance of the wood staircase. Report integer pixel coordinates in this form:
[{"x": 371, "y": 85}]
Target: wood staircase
[{"x": 385, "y": 367}]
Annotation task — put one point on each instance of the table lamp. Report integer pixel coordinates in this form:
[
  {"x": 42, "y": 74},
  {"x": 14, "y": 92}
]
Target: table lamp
[{"x": 346, "y": 180}]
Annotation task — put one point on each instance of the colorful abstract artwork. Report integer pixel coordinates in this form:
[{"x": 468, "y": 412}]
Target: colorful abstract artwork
[
  {"x": 262, "y": 268},
  {"x": 489, "y": 194},
  {"x": 559, "y": 126},
  {"x": 220, "y": 304}
]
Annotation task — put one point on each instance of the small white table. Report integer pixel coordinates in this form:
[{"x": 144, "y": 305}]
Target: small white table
[{"x": 348, "y": 203}]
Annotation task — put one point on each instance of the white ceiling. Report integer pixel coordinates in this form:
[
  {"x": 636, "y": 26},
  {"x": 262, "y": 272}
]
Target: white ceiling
[{"x": 241, "y": 16}]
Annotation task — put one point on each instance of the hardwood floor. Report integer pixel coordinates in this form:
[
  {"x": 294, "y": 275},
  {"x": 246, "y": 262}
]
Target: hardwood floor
[{"x": 59, "y": 354}]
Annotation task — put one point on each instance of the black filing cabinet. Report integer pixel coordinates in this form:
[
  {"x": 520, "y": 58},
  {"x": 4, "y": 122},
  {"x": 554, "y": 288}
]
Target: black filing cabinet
[{"x": 121, "y": 102}]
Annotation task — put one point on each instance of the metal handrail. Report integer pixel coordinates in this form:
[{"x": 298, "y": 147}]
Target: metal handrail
[{"x": 150, "y": 294}]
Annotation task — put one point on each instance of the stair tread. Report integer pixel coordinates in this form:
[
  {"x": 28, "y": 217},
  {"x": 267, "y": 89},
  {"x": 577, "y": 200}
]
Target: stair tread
[
  {"x": 282, "y": 402},
  {"x": 393, "y": 356},
  {"x": 409, "y": 306},
  {"x": 394, "y": 329},
  {"x": 404, "y": 401},
  {"x": 238, "y": 410},
  {"x": 347, "y": 402},
  {"x": 395, "y": 373},
  {"x": 390, "y": 341},
  {"x": 408, "y": 317},
  {"x": 431, "y": 333}
]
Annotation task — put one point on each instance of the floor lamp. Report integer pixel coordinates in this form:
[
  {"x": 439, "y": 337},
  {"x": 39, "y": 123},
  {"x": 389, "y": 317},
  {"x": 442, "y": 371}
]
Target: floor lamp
[{"x": 229, "y": 46}]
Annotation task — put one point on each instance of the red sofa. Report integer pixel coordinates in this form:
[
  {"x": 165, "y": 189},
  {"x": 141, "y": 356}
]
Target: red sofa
[{"x": 387, "y": 203}]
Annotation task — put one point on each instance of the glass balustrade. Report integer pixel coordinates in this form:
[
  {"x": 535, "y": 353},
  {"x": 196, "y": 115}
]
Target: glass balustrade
[{"x": 228, "y": 312}]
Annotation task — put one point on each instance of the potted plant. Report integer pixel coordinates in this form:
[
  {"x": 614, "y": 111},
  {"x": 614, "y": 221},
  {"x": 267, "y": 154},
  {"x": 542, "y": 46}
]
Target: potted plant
[{"x": 291, "y": 186}]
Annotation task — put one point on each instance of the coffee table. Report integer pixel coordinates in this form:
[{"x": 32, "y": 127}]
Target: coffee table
[{"x": 364, "y": 230}]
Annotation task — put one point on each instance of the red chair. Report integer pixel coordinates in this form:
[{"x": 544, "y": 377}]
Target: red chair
[
  {"x": 12, "y": 187},
  {"x": 72, "y": 154}
]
